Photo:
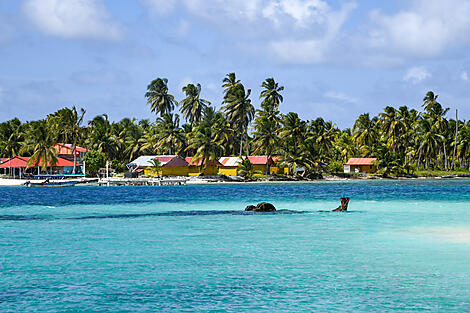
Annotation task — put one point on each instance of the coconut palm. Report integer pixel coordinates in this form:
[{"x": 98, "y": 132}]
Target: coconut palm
[
  {"x": 158, "y": 98},
  {"x": 193, "y": 106},
  {"x": 170, "y": 134},
  {"x": 271, "y": 97},
  {"x": 67, "y": 122},
  {"x": 239, "y": 110},
  {"x": 40, "y": 141},
  {"x": 265, "y": 136}
]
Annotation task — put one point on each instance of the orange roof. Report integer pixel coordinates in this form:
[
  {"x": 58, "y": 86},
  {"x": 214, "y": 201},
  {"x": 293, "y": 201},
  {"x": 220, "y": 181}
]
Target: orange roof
[
  {"x": 67, "y": 148},
  {"x": 199, "y": 162},
  {"x": 23, "y": 162},
  {"x": 361, "y": 161}
]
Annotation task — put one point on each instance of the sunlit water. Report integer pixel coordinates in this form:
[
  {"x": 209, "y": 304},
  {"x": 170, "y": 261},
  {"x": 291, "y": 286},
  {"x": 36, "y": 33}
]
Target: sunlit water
[{"x": 404, "y": 246}]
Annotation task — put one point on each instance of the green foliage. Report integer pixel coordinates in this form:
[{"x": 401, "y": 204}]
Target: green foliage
[
  {"x": 245, "y": 168},
  {"x": 94, "y": 160}
]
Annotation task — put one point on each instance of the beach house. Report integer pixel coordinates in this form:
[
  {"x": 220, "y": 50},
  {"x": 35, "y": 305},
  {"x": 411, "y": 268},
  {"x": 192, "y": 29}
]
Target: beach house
[
  {"x": 360, "y": 165},
  {"x": 18, "y": 167},
  {"x": 195, "y": 168},
  {"x": 229, "y": 165},
  {"x": 277, "y": 168},
  {"x": 65, "y": 150},
  {"x": 169, "y": 165}
]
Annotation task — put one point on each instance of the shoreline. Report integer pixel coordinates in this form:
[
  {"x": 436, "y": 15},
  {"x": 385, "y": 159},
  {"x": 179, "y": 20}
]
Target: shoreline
[{"x": 8, "y": 182}]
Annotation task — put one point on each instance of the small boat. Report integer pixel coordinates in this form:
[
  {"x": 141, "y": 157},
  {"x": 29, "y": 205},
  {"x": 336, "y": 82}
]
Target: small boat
[{"x": 64, "y": 183}]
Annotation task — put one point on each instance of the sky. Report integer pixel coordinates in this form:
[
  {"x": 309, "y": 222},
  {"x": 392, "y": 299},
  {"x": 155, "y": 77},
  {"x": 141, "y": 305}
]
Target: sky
[{"x": 335, "y": 58}]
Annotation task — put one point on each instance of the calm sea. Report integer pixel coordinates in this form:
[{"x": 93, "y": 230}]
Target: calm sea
[{"x": 404, "y": 246}]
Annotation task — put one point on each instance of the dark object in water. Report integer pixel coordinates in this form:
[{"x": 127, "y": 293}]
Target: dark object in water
[
  {"x": 250, "y": 208},
  {"x": 343, "y": 206},
  {"x": 261, "y": 207}
]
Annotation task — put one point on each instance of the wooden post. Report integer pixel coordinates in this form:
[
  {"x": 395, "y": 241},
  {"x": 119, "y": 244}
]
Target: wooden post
[{"x": 343, "y": 206}]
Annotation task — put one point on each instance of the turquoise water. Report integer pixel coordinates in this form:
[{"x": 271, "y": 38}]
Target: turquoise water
[{"x": 404, "y": 246}]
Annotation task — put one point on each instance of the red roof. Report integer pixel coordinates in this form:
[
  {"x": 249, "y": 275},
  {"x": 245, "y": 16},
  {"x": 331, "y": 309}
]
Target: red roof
[
  {"x": 361, "y": 161},
  {"x": 3, "y": 160},
  {"x": 171, "y": 160},
  {"x": 23, "y": 162},
  {"x": 199, "y": 162},
  {"x": 260, "y": 160}
]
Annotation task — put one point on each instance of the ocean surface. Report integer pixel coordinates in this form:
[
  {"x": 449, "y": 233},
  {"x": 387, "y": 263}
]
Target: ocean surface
[{"x": 404, "y": 246}]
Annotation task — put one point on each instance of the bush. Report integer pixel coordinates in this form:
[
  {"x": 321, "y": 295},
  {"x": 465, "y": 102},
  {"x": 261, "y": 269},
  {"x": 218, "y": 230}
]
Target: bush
[{"x": 94, "y": 160}]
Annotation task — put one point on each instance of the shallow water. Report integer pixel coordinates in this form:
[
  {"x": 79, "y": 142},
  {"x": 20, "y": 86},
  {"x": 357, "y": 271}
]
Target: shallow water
[{"x": 404, "y": 246}]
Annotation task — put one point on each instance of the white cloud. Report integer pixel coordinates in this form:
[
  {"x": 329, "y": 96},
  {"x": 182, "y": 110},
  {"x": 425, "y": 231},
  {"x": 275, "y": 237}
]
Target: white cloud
[
  {"x": 464, "y": 76},
  {"x": 416, "y": 74},
  {"x": 426, "y": 29},
  {"x": 335, "y": 95},
  {"x": 292, "y": 31},
  {"x": 72, "y": 18}
]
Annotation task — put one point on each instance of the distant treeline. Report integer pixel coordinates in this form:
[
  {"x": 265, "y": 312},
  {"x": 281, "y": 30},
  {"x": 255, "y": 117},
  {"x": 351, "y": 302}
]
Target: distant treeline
[{"x": 403, "y": 139}]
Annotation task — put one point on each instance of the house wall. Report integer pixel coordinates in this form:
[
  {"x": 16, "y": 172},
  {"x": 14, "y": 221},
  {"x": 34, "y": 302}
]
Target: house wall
[
  {"x": 167, "y": 171},
  {"x": 228, "y": 170},
  {"x": 279, "y": 170},
  {"x": 260, "y": 168},
  {"x": 196, "y": 170},
  {"x": 360, "y": 169}
]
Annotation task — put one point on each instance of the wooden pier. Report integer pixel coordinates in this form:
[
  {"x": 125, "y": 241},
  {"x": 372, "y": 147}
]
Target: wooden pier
[{"x": 114, "y": 181}]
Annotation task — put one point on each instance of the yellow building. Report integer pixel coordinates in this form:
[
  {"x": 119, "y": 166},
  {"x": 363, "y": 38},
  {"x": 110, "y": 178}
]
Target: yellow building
[
  {"x": 195, "y": 168},
  {"x": 170, "y": 165},
  {"x": 229, "y": 165},
  {"x": 277, "y": 169}
]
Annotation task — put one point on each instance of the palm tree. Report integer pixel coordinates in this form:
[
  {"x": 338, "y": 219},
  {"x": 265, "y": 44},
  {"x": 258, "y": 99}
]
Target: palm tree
[
  {"x": 193, "y": 106},
  {"x": 229, "y": 82},
  {"x": 40, "y": 141},
  {"x": 239, "y": 110},
  {"x": 68, "y": 123},
  {"x": 390, "y": 125},
  {"x": 271, "y": 96},
  {"x": 264, "y": 137},
  {"x": 204, "y": 140},
  {"x": 170, "y": 134},
  {"x": 429, "y": 101},
  {"x": 158, "y": 98},
  {"x": 365, "y": 133}
]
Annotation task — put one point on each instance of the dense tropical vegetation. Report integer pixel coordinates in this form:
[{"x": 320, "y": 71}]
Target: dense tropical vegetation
[{"x": 404, "y": 140}]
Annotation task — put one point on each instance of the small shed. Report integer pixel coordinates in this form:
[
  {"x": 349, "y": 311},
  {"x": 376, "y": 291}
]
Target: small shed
[
  {"x": 360, "y": 165},
  {"x": 170, "y": 165}
]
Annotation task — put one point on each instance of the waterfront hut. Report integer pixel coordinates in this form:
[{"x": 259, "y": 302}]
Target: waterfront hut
[
  {"x": 360, "y": 165},
  {"x": 197, "y": 168},
  {"x": 170, "y": 165},
  {"x": 229, "y": 165},
  {"x": 65, "y": 150},
  {"x": 277, "y": 168},
  {"x": 261, "y": 163},
  {"x": 18, "y": 167}
]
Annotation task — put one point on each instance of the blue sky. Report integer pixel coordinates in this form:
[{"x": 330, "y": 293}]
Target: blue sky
[{"x": 336, "y": 59}]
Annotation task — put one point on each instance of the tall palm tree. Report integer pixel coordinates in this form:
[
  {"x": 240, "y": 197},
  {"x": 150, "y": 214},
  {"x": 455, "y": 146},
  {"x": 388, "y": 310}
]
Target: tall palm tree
[
  {"x": 229, "y": 82},
  {"x": 429, "y": 100},
  {"x": 265, "y": 136},
  {"x": 158, "y": 98},
  {"x": 170, "y": 134},
  {"x": 68, "y": 123},
  {"x": 204, "y": 140},
  {"x": 40, "y": 141},
  {"x": 239, "y": 110},
  {"x": 365, "y": 132},
  {"x": 390, "y": 125},
  {"x": 271, "y": 96},
  {"x": 193, "y": 106}
]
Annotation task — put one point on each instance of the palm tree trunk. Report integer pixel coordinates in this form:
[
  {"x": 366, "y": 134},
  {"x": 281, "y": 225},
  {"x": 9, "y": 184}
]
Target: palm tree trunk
[
  {"x": 74, "y": 155},
  {"x": 419, "y": 159},
  {"x": 241, "y": 143},
  {"x": 455, "y": 141},
  {"x": 445, "y": 155}
]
